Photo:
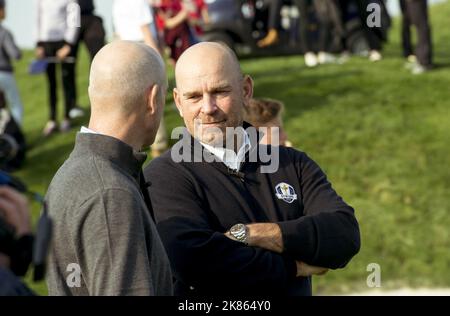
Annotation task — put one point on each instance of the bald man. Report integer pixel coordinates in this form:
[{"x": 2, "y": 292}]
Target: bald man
[
  {"x": 230, "y": 227},
  {"x": 105, "y": 242}
]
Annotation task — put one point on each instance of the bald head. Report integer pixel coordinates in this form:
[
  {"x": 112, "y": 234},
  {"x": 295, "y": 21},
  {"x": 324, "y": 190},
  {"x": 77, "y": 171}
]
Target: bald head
[
  {"x": 207, "y": 55},
  {"x": 121, "y": 74}
]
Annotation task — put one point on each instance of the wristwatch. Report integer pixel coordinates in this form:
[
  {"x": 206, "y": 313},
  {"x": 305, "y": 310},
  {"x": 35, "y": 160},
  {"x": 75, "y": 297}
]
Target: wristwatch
[{"x": 240, "y": 232}]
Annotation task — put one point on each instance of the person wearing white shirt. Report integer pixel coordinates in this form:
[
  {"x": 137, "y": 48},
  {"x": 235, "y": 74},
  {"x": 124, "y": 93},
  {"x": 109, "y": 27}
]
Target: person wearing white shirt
[
  {"x": 56, "y": 37},
  {"x": 132, "y": 20}
]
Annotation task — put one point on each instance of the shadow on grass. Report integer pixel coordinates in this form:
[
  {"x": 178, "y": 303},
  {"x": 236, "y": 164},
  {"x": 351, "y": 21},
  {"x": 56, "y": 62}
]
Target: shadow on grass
[{"x": 306, "y": 97}]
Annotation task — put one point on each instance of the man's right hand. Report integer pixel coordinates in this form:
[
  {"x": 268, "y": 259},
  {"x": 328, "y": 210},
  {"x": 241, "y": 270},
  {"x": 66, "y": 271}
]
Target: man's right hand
[
  {"x": 305, "y": 270},
  {"x": 40, "y": 53}
]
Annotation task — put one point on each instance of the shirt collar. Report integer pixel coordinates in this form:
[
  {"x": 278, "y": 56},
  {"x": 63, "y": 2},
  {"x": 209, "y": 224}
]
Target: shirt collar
[
  {"x": 228, "y": 156},
  {"x": 111, "y": 149},
  {"x": 86, "y": 130}
]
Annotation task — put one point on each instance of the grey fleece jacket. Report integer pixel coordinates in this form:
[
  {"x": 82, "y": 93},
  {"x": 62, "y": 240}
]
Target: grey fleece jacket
[
  {"x": 8, "y": 50},
  {"x": 102, "y": 225}
]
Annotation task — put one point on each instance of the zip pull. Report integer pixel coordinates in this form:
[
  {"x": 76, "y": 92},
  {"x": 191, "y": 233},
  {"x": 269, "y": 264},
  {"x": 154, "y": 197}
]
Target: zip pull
[{"x": 237, "y": 174}]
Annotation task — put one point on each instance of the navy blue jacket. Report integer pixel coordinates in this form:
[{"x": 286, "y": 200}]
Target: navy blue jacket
[{"x": 195, "y": 203}]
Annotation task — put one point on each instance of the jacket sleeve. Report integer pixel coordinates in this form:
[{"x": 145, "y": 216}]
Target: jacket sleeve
[
  {"x": 328, "y": 233},
  {"x": 109, "y": 238},
  {"x": 73, "y": 16},
  {"x": 201, "y": 256},
  {"x": 10, "y": 47}
]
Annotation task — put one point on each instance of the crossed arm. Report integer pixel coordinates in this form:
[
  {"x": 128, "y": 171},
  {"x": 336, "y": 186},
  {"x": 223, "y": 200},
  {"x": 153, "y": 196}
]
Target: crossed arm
[
  {"x": 268, "y": 236},
  {"x": 327, "y": 236}
]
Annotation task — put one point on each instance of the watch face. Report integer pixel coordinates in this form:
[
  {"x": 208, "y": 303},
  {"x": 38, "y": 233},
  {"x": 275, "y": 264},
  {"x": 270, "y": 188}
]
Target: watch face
[
  {"x": 239, "y": 231},
  {"x": 238, "y": 228}
]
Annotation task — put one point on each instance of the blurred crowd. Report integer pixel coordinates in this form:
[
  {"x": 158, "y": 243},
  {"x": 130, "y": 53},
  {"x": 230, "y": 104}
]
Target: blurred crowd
[{"x": 328, "y": 28}]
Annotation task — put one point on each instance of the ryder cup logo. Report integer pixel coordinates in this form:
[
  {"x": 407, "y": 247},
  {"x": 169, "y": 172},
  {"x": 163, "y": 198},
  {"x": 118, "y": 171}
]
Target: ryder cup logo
[{"x": 285, "y": 192}]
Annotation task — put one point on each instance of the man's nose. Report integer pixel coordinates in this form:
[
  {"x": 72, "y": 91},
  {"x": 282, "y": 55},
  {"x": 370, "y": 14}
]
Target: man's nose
[{"x": 208, "y": 105}]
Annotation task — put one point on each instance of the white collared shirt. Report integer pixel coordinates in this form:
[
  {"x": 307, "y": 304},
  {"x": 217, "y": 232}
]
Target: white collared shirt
[
  {"x": 228, "y": 156},
  {"x": 85, "y": 130}
]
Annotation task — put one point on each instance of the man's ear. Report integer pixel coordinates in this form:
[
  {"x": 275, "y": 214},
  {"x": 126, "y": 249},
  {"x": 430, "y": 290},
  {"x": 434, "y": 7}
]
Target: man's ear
[
  {"x": 176, "y": 98},
  {"x": 152, "y": 99},
  {"x": 247, "y": 89}
]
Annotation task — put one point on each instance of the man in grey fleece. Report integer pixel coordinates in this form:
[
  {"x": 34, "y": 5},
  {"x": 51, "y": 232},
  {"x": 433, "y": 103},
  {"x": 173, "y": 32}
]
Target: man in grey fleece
[
  {"x": 8, "y": 51},
  {"x": 105, "y": 242}
]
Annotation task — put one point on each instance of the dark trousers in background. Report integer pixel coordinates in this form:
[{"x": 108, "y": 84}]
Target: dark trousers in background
[
  {"x": 330, "y": 22},
  {"x": 417, "y": 12},
  {"x": 274, "y": 13},
  {"x": 302, "y": 6},
  {"x": 406, "y": 31},
  {"x": 372, "y": 34},
  {"x": 329, "y": 17},
  {"x": 92, "y": 34},
  {"x": 68, "y": 80}
]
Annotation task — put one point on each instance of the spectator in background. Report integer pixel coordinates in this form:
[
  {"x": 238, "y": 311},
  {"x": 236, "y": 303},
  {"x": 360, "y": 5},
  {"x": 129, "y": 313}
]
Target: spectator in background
[
  {"x": 132, "y": 21},
  {"x": 15, "y": 213},
  {"x": 8, "y": 51},
  {"x": 304, "y": 10},
  {"x": 268, "y": 113},
  {"x": 375, "y": 35},
  {"x": 406, "y": 35},
  {"x": 156, "y": 33},
  {"x": 198, "y": 16},
  {"x": 91, "y": 32},
  {"x": 173, "y": 21},
  {"x": 330, "y": 19},
  {"x": 272, "y": 23},
  {"x": 56, "y": 39},
  {"x": 10, "y": 130},
  {"x": 415, "y": 12}
]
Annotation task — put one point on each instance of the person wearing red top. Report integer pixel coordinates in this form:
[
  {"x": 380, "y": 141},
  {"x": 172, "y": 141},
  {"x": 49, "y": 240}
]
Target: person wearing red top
[
  {"x": 197, "y": 14},
  {"x": 172, "y": 18}
]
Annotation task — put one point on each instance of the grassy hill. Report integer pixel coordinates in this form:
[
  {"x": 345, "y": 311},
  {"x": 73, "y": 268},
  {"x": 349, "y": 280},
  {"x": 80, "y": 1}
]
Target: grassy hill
[{"x": 381, "y": 135}]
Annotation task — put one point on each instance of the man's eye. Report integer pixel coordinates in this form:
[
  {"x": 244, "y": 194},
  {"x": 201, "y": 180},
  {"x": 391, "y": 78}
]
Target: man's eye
[{"x": 194, "y": 97}]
